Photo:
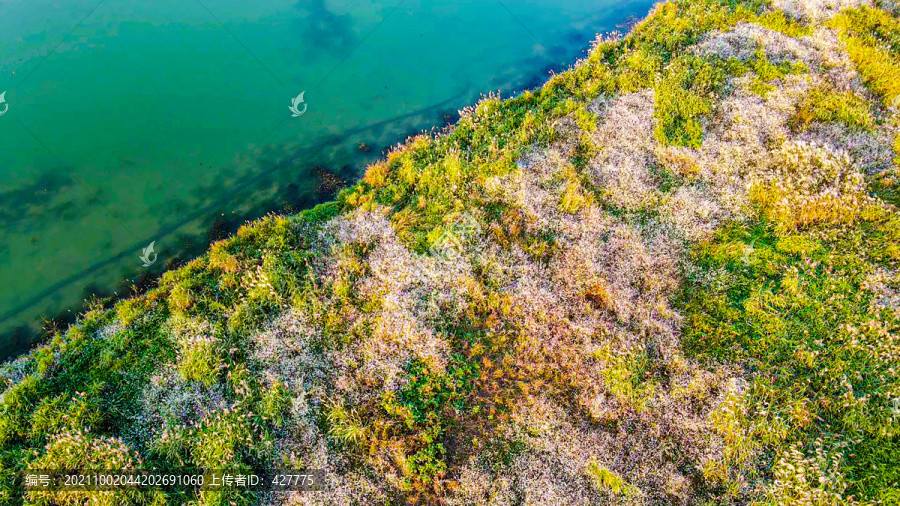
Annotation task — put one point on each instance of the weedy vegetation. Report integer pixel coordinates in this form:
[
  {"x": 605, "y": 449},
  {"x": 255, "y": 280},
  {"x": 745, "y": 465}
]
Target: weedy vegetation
[{"x": 667, "y": 276}]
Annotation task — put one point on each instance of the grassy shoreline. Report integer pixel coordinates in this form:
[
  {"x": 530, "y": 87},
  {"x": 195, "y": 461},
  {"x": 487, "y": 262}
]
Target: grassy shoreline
[{"x": 667, "y": 276}]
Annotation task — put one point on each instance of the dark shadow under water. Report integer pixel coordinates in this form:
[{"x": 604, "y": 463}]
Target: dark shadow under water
[{"x": 282, "y": 182}]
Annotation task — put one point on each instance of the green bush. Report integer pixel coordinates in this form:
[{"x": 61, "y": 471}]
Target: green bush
[{"x": 684, "y": 95}]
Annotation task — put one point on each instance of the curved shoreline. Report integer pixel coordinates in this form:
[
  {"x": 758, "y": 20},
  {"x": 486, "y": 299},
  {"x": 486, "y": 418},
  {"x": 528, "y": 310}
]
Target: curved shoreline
[{"x": 669, "y": 275}]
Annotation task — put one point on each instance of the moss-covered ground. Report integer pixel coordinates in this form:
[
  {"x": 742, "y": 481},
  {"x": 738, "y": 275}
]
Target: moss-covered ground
[{"x": 669, "y": 275}]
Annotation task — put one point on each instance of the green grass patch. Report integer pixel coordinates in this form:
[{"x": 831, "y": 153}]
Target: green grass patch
[
  {"x": 827, "y": 105},
  {"x": 792, "y": 310},
  {"x": 872, "y": 37},
  {"x": 685, "y": 94}
]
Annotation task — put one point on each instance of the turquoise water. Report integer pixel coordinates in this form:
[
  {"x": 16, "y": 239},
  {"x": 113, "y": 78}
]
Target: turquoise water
[{"x": 131, "y": 122}]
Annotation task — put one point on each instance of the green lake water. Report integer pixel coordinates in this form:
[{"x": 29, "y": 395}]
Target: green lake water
[{"x": 131, "y": 122}]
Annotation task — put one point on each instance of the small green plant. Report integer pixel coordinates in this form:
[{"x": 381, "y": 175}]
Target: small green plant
[
  {"x": 780, "y": 22},
  {"x": 766, "y": 72},
  {"x": 276, "y": 401},
  {"x": 344, "y": 425},
  {"x": 199, "y": 360},
  {"x": 827, "y": 105},
  {"x": 610, "y": 481},
  {"x": 638, "y": 71},
  {"x": 224, "y": 439},
  {"x": 683, "y": 96}
]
